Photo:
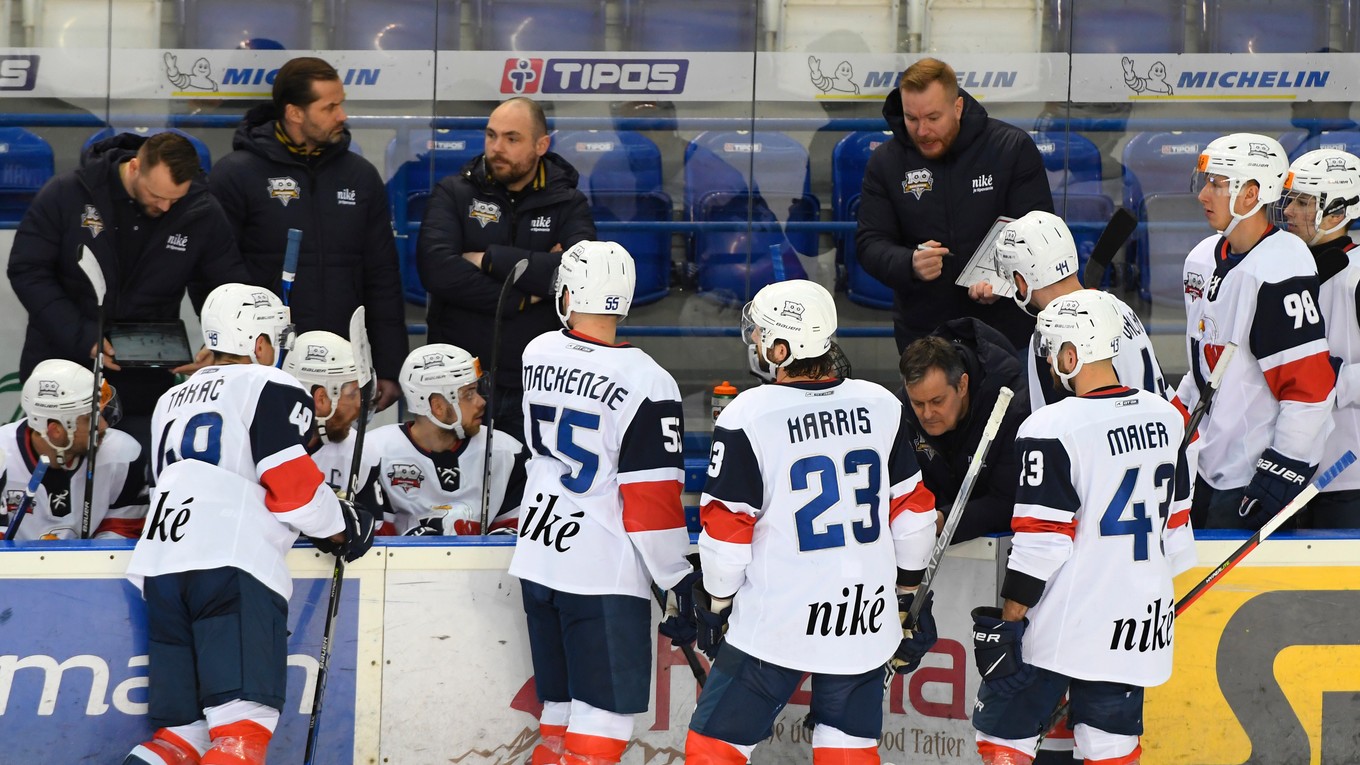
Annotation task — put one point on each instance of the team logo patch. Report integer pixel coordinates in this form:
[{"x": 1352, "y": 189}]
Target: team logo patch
[
  {"x": 13, "y": 498},
  {"x": 405, "y": 476},
  {"x": 1068, "y": 307},
  {"x": 90, "y": 219},
  {"x": 484, "y": 212},
  {"x": 262, "y": 299},
  {"x": 177, "y": 242},
  {"x": 920, "y": 445},
  {"x": 1335, "y": 163},
  {"x": 792, "y": 310},
  {"x": 431, "y": 360},
  {"x": 48, "y": 388},
  {"x": 918, "y": 182},
  {"x": 1009, "y": 237},
  {"x": 315, "y": 353},
  {"x": 284, "y": 189},
  {"x": 1258, "y": 150},
  {"x": 1194, "y": 285},
  {"x": 59, "y": 502},
  {"x": 449, "y": 479}
]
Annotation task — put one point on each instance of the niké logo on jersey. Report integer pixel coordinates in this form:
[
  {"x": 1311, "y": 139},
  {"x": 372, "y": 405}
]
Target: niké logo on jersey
[
  {"x": 166, "y": 524},
  {"x": 855, "y": 615},
  {"x": 541, "y": 524}
]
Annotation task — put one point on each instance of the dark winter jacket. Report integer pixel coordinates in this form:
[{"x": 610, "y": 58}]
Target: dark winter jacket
[
  {"x": 338, "y": 201},
  {"x": 992, "y": 169},
  {"x": 192, "y": 243},
  {"x": 991, "y": 364},
  {"x": 470, "y": 212}
]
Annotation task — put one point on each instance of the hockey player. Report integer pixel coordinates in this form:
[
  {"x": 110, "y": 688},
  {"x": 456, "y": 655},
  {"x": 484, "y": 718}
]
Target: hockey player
[
  {"x": 1319, "y": 206},
  {"x": 817, "y": 530},
  {"x": 1255, "y": 286},
  {"x": 1038, "y": 254},
  {"x": 430, "y": 469},
  {"x": 324, "y": 363},
  {"x": 233, "y": 487},
  {"x": 56, "y": 425},
  {"x": 602, "y": 517},
  {"x": 1089, "y": 582}
]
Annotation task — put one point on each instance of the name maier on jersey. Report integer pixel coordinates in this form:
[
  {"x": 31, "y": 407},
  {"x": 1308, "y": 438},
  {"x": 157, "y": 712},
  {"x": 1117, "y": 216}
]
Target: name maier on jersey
[
  {"x": 56, "y": 400},
  {"x": 1037, "y": 252},
  {"x": 324, "y": 363},
  {"x": 429, "y": 470}
]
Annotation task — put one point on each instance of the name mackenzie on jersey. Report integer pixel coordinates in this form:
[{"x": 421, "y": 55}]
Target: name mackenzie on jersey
[{"x": 578, "y": 382}]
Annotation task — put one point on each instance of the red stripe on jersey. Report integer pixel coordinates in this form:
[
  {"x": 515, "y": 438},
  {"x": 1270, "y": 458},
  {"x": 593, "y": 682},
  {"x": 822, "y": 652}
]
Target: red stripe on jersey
[
  {"x": 1307, "y": 380},
  {"x": 652, "y": 506},
  {"x": 726, "y": 526},
  {"x": 290, "y": 485},
  {"x": 1212, "y": 353},
  {"x": 919, "y": 500},
  {"x": 1185, "y": 416},
  {"x": 129, "y": 528},
  {"x": 1178, "y": 520},
  {"x": 1037, "y": 526}
]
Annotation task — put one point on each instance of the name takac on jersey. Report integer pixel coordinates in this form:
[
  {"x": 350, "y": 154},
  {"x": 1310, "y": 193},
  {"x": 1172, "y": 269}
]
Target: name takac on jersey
[{"x": 578, "y": 382}]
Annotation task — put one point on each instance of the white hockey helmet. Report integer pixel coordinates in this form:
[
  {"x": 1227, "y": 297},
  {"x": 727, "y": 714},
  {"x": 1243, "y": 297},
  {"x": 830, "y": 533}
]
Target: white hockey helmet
[
  {"x": 235, "y": 314},
  {"x": 1331, "y": 178},
  {"x": 60, "y": 390},
  {"x": 1039, "y": 247},
  {"x": 438, "y": 368},
  {"x": 600, "y": 277},
  {"x": 1239, "y": 158},
  {"x": 325, "y": 359},
  {"x": 1088, "y": 320},
  {"x": 798, "y": 312}
]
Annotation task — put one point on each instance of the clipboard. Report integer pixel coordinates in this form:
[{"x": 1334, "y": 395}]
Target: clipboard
[{"x": 983, "y": 267}]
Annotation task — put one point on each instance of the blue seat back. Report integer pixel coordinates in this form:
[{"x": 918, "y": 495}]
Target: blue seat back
[
  {"x": 1159, "y": 164},
  {"x": 1344, "y": 140},
  {"x": 848, "y": 162},
  {"x": 396, "y": 24},
  {"x": 1086, "y": 215},
  {"x": 26, "y": 163},
  {"x": 242, "y": 24},
  {"x": 693, "y": 25},
  {"x": 539, "y": 25},
  {"x": 1069, "y": 158},
  {"x": 1265, "y": 26},
  {"x": 621, "y": 175},
  {"x": 204, "y": 154},
  {"x": 1117, "y": 26}
]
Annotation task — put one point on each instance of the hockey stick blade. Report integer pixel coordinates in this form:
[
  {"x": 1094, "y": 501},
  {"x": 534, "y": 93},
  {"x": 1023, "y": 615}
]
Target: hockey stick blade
[
  {"x": 515, "y": 274},
  {"x": 1121, "y": 226},
  {"x": 358, "y": 340},
  {"x": 90, "y": 265},
  {"x": 691, "y": 658},
  {"x": 951, "y": 523},
  {"x": 34, "y": 482},
  {"x": 1215, "y": 379}
]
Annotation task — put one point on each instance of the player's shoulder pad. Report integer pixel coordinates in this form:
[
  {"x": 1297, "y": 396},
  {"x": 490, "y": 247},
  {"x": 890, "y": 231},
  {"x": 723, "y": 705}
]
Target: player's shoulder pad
[
  {"x": 1204, "y": 250},
  {"x": 117, "y": 446},
  {"x": 1050, "y": 421},
  {"x": 380, "y": 439},
  {"x": 505, "y": 442},
  {"x": 1278, "y": 257},
  {"x": 278, "y": 376}
]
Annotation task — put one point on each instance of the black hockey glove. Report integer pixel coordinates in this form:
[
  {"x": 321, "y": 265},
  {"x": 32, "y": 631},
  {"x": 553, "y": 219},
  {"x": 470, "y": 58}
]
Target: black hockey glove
[
  {"x": 677, "y": 620},
  {"x": 712, "y": 614},
  {"x": 432, "y": 526},
  {"x": 996, "y": 647},
  {"x": 1278, "y": 480},
  {"x": 916, "y": 640},
  {"x": 359, "y": 526}
]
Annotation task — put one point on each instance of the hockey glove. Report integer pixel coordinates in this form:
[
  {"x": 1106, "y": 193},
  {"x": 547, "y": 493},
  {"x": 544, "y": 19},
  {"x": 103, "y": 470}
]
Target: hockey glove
[
  {"x": 996, "y": 647},
  {"x": 359, "y": 526},
  {"x": 918, "y": 639},
  {"x": 712, "y": 614},
  {"x": 677, "y": 622},
  {"x": 1278, "y": 480},
  {"x": 427, "y": 527}
]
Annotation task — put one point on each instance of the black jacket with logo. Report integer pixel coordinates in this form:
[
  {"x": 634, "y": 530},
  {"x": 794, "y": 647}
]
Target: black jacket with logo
[
  {"x": 192, "y": 245},
  {"x": 470, "y": 212},
  {"x": 991, "y": 363},
  {"x": 992, "y": 169},
  {"x": 348, "y": 257}
]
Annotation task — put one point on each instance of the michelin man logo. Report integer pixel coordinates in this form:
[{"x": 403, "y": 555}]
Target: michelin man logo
[
  {"x": 792, "y": 310},
  {"x": 842, "y": 81},
  {"x": 1154, "y": 82},
  {"x": 48, "y": 389},
  {"x": 284, "y": 189},
  {"x": 918, "y": 182},
  {"x": 90, "y": 219},
  {"x": 315, "y": 353},
  {"x": 199, "y": 77},
  {"x": 1258, "y": 150},
  {"x": 484, "y": 212},
  {"x": 405, "y": 476}
]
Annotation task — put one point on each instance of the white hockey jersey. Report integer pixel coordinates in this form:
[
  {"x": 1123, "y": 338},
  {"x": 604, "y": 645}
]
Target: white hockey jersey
[
  {"x": 601, "y": 512},
  {"x": 233, "y": 481},
  {"x": 116, "y": 510},
  {"x": 814, "y": 500},
  {"x": 335, "y": 458},
  {"x": 1278, "y": 390},
  {"x": 1102, "y": 524},
  {"x": 1339, "y": 300},
  {"x": 418, "y": 485},
  {"x": 1136, "y": 364}
]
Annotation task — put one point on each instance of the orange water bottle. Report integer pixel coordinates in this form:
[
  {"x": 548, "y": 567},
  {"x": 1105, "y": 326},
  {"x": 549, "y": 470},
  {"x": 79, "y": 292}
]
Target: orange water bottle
[{"x": 722, "y": 396}]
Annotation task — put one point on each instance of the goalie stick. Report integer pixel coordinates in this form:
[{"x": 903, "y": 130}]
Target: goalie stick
[
  {"x": 515, "y": 274},
  {"x": 1117, "y": 231},
  {"x": 95, "y": 274}
]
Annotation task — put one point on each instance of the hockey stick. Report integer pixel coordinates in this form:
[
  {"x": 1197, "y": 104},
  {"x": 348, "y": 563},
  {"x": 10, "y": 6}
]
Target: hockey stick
[
  {"x": 515, "y": 274},
  {"x": 1121, "y": 226},
  {"x": 363, "y": 359},
  {"x": 34, "y": 481},
  {"x": 1270, "y": 527},
  {"x": 700, "y": 675},
  {"x": 1215, "y": 379},
  {"x": 95, "y": 274},
  {"x": 290, "y": 261},
  {"x": 951, "y": 523}
]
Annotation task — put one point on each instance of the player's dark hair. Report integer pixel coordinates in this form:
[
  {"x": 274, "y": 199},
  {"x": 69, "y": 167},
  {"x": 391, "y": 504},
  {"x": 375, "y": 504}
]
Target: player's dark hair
[
  {"x": 818, "y": 368},
  {"x": 172, "y": 150},
  {"x": 921, "y": 74},
  {"x": 293, "y": 83},
  {"x": 931, "y": 352},
  {"x": 536, "y": 115}
]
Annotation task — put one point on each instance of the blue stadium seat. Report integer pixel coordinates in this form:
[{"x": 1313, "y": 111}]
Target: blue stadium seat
[
  {"x": 1345, "y": 140},
  {"x": 541, "y": 25},
  {"x": 742, "y": 176},
  {"x": 848, "y": 161},
  {"x": 26, "y": 162},
  {"x": 1086, "y": 215},
  {"x": 253, "y": 24},
  {"x": 621, "y": 175},
  {"x": 1160, "y": 165},
  {"x": 1069, "y": 158},
  {"x": 1265, "y": 26},
  {"x": 396, "y": 24},
  {"x": 1117, "y": 26},
  {"x": 693, "y": 25},
  {"x": 421, "y": 159},
  {"x": 204, "y": 155}
]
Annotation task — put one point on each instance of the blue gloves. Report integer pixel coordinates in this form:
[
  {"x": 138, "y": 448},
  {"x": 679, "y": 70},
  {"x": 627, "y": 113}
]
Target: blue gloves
[
  {"x": 712, "y": 615},
  {"x": 677, "y": 621},
  {"x": 996, "y": 646},
  {"x": 916, "y": 639},
  {"x": 1278, "y": 480}
]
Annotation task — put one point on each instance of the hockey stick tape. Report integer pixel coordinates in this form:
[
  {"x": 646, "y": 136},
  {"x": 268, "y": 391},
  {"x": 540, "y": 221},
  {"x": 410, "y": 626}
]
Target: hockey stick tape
[{"x": 1003, "y": 402}]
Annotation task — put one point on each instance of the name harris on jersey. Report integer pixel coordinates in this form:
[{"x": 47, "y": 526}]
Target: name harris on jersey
[{"x": 828, "y": 423}]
